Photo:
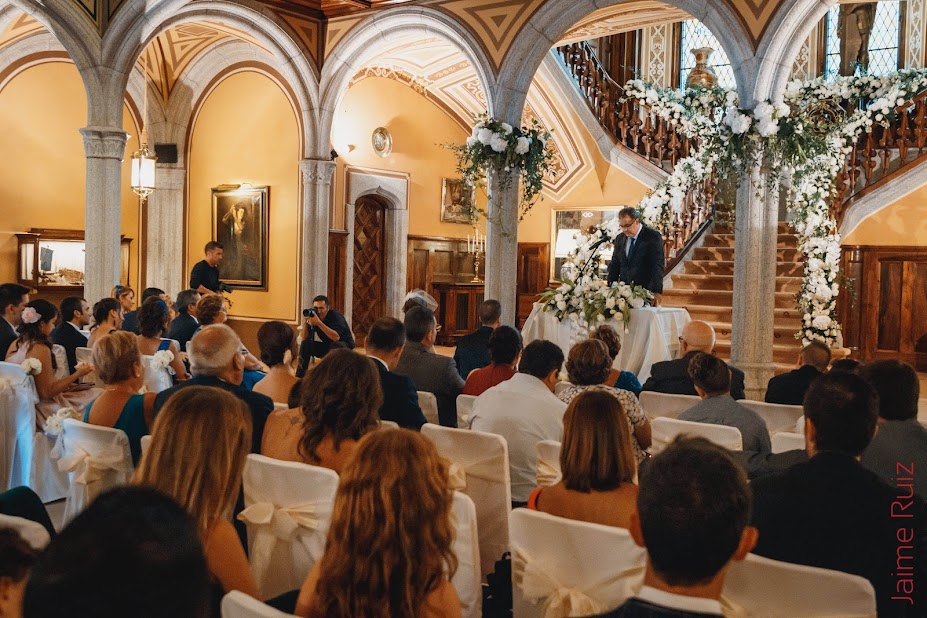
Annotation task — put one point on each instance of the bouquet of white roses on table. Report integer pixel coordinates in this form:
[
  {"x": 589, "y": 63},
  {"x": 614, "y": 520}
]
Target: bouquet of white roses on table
[{"x": 590, "y": 301}]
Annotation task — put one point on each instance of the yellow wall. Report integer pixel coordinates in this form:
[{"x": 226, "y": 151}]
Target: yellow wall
[
  {"x": 246, "y": 132},
  {"x": 902, "y": 223},
  {"x": 43, "y": 172}
]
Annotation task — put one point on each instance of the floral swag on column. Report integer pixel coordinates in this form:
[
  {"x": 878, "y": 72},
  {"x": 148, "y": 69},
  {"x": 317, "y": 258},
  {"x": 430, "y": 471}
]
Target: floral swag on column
[{"x": 805, "y": 137}]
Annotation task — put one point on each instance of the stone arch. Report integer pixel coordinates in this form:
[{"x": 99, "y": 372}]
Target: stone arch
[{"x": 366, "y": 40}]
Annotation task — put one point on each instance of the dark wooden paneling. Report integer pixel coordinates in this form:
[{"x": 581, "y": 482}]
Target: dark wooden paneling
[
  {"x": 533, "y": 273},
  {"x": 458, "y": 309},
  {"x": 337, "y": 267}
]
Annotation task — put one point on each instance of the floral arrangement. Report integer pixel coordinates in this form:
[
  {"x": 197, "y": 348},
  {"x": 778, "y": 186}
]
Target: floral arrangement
[
  {"x": 498, "y": 146},
  {"x": 55, "y": 423},
  {"x": 32, "y": 366},
  {"x": 162, "y": 359},
  {"x": 590, "y": 300}
]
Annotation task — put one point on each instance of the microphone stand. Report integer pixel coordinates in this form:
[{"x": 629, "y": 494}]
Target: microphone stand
[{"x": 594, "y": 250}]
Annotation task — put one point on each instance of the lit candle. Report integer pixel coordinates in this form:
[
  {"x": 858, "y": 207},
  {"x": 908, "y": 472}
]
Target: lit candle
[{"x": 469, "y": 250}]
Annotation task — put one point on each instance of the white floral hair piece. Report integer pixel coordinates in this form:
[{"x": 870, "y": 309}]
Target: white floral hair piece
[{"x": 30, "y": 315}]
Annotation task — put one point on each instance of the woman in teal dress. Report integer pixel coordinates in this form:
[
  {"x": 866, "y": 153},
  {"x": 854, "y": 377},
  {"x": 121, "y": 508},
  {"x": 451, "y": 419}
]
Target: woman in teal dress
[{"x": 119, "y": 365}]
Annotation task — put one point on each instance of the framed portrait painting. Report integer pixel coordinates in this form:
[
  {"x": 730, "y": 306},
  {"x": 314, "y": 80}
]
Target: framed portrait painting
[
  {"x": 240, "y": 221},
  {"x": 456, "y": 201}
]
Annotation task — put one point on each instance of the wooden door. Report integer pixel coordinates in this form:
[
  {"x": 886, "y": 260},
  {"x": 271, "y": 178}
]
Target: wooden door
[{"x": 369, "y": 265}]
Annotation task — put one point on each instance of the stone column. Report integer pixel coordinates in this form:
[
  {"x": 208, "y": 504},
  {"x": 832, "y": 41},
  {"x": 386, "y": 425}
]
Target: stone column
[
  {"x": 164, "y": 232},
  {"x": 317, "y": 181},
  {"x": 104, "y": 148},
  {"x": 501, "y": 267},
  {"x": 755, "y": 233}
]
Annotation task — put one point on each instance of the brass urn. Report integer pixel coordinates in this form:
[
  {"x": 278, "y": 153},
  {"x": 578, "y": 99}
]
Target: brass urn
[{"x": 702, "y": 75}]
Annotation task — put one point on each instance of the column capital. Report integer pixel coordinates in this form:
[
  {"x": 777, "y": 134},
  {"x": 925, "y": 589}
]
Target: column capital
[
  {"x": 104, "y": 142},
  {"x": 317, "y": 171}
]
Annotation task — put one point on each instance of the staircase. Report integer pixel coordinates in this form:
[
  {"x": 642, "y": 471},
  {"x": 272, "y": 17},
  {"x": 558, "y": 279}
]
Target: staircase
[{"x": 705, "y": 289}]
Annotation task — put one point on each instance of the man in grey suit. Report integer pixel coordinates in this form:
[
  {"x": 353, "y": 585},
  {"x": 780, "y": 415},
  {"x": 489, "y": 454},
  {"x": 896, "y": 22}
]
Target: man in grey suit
[{"x": 429, "y": 371}]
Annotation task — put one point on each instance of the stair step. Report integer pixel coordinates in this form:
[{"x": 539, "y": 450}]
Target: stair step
[
  {"x": 718, "y": 267},
  {"x": 727, "y": 254},
  {"x": 673, "y": 297},
  {"x": 784, "y": 227},
  {"x": 782, "y": 353},
  {"x": 783, "y": 241},
  {"x": 726, "y": 282},
  {"x": 786, "y": 318},
  {"x": 782, "y": 334}
]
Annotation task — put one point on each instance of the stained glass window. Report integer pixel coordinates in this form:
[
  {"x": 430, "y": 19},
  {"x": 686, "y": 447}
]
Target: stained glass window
[
  {"x": 695, "y": 35},
  {"x": 883, "y": 39}
]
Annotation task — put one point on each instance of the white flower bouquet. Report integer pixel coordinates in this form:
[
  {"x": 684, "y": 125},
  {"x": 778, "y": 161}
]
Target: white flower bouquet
[
  {"x": 55, "y": 423},
  {"x": 163, "y": 359},
  {"x": 590, "y": 301},
  {"x": 32, "y": 366}
]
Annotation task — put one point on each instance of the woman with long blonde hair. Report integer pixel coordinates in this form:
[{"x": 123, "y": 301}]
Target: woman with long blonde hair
[
  {"x": 198, "y": 447},
  {"x": 388, "y": 551}
]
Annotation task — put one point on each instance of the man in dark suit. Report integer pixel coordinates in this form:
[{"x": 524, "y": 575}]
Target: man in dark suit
[
  {"x": 13, "y": 299},
  {"x": 790, "y": 388},
  {"x": 428, "y": 370},
  {"x": 75, "y": 315},
  {"x": 185, "y": 323},
  {"x": 638, "y": 258},
  {"x": 216, "y": 360},
  {"x": 473, "y": 349},
  {"x": 385, "y": 342},
  {"x": 831, "y": 512},
  {"x": 673, "y": 376},
  {"x": 130, "y": 319},
  {"x": 690, "y": 541}
]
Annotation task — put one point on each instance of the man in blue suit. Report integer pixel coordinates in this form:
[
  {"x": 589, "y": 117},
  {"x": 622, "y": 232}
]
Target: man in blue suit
[
  {"x": 638, "y": 257},
  {"x": 385, "y": 342}
]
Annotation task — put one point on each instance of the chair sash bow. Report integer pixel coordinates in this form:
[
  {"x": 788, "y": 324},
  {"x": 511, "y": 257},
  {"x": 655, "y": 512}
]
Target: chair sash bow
[
  {"x": 89, "y": 468},
  {"x": 484, "y": 470},
  {"x": 548, "y": 474}
]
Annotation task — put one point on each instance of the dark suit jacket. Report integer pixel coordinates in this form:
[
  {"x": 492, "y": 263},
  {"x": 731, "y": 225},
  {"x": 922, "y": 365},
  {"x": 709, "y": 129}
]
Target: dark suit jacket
[
  {"x": 646, "y": 263},
  {"x": 673, "y": 377},
  {"x": 182, "y": 329},
  {"x": 433, "y": 373},
  {"x": 70, "y": 339},
  {"x": 130, "y": 322},
  {"x": 7, "y": 337},
  {"x": 400, "y": 401},
  {"x": 790, "y": 388},
  {"x": 472, "y": 351},
  {"x": 636, "y": 608},
  {"x": 260, "y": 405},
  {"x": 830, "y": 512}
]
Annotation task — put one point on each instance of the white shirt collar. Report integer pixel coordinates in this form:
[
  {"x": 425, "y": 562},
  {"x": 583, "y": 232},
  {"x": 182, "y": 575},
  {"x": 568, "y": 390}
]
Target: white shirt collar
[
  {"x": 377, "y": 358},
  {"x": 681, "y": 602}
]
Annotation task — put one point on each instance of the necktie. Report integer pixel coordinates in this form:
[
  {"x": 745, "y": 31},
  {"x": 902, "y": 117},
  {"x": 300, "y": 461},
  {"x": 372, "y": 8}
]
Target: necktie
[{"x": 631, "y": 248}]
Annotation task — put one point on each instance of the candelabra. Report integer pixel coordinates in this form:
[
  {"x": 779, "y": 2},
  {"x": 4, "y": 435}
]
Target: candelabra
[{"x": 476, "y": 246}]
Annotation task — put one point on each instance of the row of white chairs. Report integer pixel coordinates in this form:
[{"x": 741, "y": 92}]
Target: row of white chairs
[{"x": 778, "y": 417}]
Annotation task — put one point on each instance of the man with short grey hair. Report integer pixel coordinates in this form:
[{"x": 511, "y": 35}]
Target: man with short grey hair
[
  {"x": 216, "y": 360},
  {"x": 185, "y": 324},
  {"x": 638, "y": 258}
]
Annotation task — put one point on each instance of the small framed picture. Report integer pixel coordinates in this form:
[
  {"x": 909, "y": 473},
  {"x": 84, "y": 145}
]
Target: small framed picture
[{"x": 457, "y": 201}]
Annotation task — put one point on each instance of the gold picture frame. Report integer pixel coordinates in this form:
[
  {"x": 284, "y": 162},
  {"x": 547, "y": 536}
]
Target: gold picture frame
[{"x": 241, "y": 222}]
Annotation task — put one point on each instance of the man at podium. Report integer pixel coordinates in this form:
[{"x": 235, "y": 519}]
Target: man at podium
[{"x": 638, "y": 258}]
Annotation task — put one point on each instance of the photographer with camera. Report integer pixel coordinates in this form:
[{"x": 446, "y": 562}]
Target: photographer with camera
[
  {"x": 204, "y": 278},
  {"x": 322, "y": 328}
]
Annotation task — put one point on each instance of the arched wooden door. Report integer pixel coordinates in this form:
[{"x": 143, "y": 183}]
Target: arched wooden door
[{"x": 369, "y": 265}]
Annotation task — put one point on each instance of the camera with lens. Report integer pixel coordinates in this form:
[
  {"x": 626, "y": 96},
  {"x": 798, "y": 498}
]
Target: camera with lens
[
  {"x": 225, "y": 289},
  {"x": 311, "y": 311}
]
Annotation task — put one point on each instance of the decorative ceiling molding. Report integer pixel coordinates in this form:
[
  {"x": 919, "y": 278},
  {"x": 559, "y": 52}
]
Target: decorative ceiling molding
[
  {"x": 308, "y": 29},
  {"x": 755, "y": 16},
  {"x": 19, "y": 28},
  {"x": 335, "y": 30},
  {"x": 623, "y": 18}
]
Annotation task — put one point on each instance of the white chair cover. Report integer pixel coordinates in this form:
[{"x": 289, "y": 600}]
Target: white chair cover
[
  {"x": 239, "y": 605},
  {"x": 145, "y": 443},
  {"x": 32, "y": 532},
  {"x": 288, "y": 507},
  {"x": 388, "y": 424},
  {"x": 95, "y": 458},
  {"x": 467, "y": 580},
  {"x": 480, "y": 469},
  {"x": 666, "y": 429},
  {"x": 157, "y": 379},
  {"x": 800, "y": 425},
  {"x": 61, "y": 362},
  {"x": 429, "y": 405},
  {"x": 762, "y": 587},
  {"x": 548, "y": 463},
  {"x": 559, "y": 387},
  {"x": 562, "y": 567},
  {"x": 786, "y": 441},
  {"x": 778, "y": 417},
  {"x": 278, "y": 405},
  {"x": 85, "y": 355},
  {"x": 657, "y": 405},
  {"x": 464, "y": 410}
]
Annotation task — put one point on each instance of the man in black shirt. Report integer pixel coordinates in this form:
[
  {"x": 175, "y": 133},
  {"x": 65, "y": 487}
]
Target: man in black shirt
[
  {"x": 329, "y": 327},
  {"x": 204, "y": 278}
]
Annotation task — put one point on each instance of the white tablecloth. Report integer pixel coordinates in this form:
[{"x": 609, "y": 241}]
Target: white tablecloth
[{"x": 653, "y": 335}]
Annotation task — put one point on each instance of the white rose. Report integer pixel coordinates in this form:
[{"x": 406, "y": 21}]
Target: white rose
[
  {"x": 558, "y": 298},
  {"x": 610, "y": 303},
  {"x": 561, "y": 305},
  {"x": 636, "y": 302},
  {"x": 472, "y": 141},
  {"x": 821, "y": 322},
  {"x": 600, "y": 318},
  {"x": 573, "y": 316},
  {"x": 498, "y": 143},
  {"x": 485, "y": 136},
  {"x": 522, "y": 145},
  {"x": 506, "y": 127}
]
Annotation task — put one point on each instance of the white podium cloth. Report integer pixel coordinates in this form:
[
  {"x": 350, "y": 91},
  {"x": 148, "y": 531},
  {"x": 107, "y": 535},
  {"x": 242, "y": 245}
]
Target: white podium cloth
[{"x": 653, "y": 335}]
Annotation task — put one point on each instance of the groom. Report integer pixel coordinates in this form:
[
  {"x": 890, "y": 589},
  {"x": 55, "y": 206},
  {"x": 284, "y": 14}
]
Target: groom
[{"x": 638, "y": 258}]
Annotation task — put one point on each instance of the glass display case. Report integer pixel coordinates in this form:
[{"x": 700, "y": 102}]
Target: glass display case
[{"x": 54, "y": 259}]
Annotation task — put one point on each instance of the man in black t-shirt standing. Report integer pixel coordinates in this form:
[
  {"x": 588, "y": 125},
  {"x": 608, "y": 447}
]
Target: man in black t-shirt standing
[
  {"x": 329, "y": 326},
  {"x": 204, "y": 278}
]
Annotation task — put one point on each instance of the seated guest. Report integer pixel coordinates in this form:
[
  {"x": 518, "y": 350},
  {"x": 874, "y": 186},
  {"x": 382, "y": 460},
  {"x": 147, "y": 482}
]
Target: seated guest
[
  {"x": 846, "y": 364},
  {"x": 833, "y": 513},
  {"x": 38, "y": 321},
  {"x": 690, "y": 541},
  {"x": 789, "y": 388},
  {"x": 673, "y": 376},
  {"x": 185, "y": 324},
  {"x": 75, "y": 315},
  {"x": 119, "y": 366},
  {"x": 107, "y": 318},
  {"x": 429, "y": 371},
  {"x": 524, "y": 411},
  {"x": 278, "y": 351},
  {"x": 125, "y": 296},
  {"x": 597, "y": 463},
  {"x": 16, "y": 561},
  {"x": 198, "y": 448},
  {"x": 587, "y": 366},
  {"x": 130, "y": 319},
  {"x": 504, "y": 350},
  {"x": 153, "y": 322},
  {"x": 759, "y": 465},
  {"x": 712, "y": 380},
  {"x": 418, "y": 298},
  {"x": 216, "y": 360},
  {"x": 624, "y": 380},
  {"x": 473, "y": 349},
  {"x": 393, "y": 503},
  {"x": 901, "y": 442},
  {"x": 132, "y": 552},
  {"x": 13, "y": 299},
  {"x": 385, "y": 342},
  {"x": 211, "y": 310},
  {"x": 339, "y": 404}
]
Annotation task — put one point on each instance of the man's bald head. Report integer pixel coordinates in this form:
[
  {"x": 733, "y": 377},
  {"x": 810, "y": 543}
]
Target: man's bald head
[
  {"x": 216, "y": 351},
  {"x": 698, "y": 336}
]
